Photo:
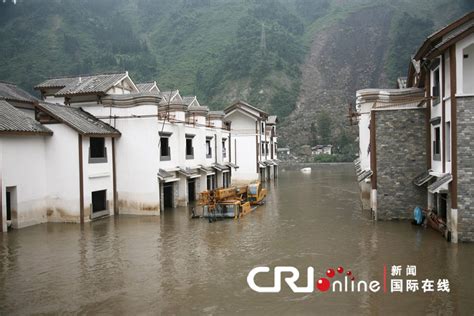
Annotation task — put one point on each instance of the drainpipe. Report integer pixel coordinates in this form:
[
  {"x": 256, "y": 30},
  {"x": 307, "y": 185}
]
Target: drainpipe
[
  {"x": 443, "y": 114},
  {"x": 427, "y": 119},
  {"x": 215, "y": 148},
  {"x": 81, "y": 181},
  {"x": 114, "y": 171},
  {"x": 1, "y": 204},
  {"x": 256, "y": 145}
]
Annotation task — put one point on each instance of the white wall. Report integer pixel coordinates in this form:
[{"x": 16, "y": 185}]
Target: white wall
[
  {"x": 465, "y": 82},
  {"x": 97, "y": 176},
  {"x": 364, "y": 135},
  {"x": 62, "y": 169},
  {"x": 137, "y": 158},
  {"x": 23, "y": 166},
  {"x": 243, "y": 147}
]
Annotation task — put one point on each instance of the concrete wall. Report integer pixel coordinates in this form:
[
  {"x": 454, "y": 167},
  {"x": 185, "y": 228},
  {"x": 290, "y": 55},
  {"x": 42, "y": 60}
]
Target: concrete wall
[
  {"x": 401, "y": 156},
  {"x": 23, "y": 171},
  {"x": 465, "y": 132}
]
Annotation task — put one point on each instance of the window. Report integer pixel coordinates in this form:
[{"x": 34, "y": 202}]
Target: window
[
  {"x": 211, "y": 184},
  {"x": 436, "y": 144},
  {"x": 435, "y": 90},
  {"x": 97, "y": 150},
  {"x": 208, "y": 148},
  {"x": 448, "y": 140},
  {"x": 226, "y": 179},
  {"x": 263, "y": 149},
  {"x": 165, "y": 151},
  {"x": 263, "y": 128},
  {"x": 224, "y": 150},
  {"x": 189, "y": 147}
]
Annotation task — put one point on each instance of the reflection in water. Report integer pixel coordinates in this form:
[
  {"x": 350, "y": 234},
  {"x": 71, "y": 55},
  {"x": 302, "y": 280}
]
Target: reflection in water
[{"x": 171, "y": 264}]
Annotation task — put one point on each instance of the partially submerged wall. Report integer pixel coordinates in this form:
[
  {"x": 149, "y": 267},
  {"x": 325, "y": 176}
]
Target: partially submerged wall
[
  {"x": 465, "y": 132},
  {"x": 401, "y": 156}
]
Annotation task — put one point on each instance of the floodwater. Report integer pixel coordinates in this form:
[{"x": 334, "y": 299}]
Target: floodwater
[{"x": 174, "y": 265}]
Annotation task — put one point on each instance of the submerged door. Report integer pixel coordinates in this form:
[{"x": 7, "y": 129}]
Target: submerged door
[
  {"x": 9, "y": 206},
  {"x": 99, "y": 204},
  {"x": 12, "y": 210},
  {"x": 168, "y": 194},
  {"x": 191, "y": 190}
]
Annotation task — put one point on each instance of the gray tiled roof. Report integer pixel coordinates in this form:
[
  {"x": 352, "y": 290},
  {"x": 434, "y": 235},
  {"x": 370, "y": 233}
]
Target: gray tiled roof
[
  {"x": 78, "y": 119},
  {"x": 82, "y": 84},
  {"x": 243, "y": 104},
  {"x": 188, "y": 100},
  {"x": 9, "y": 91},
  {"x": 13, "y": 120},
  {"x": 468, "y": 27},
  {"x": 216, "y": 113},
  {"x": 145, "y": 87},
  {"x": 168, "y": 94}
]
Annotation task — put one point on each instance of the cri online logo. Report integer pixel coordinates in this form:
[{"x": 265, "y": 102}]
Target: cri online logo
[
  {"x": 323, "y": 284},
  {"x": 398, "y": 280}
]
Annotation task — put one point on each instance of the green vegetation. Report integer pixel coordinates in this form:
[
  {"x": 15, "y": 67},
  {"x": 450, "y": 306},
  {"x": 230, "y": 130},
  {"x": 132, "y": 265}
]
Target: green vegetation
[{"x": 219, "y": 50}]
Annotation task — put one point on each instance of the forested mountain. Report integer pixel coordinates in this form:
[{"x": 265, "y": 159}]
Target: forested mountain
[{"x": 300, "y": 59}]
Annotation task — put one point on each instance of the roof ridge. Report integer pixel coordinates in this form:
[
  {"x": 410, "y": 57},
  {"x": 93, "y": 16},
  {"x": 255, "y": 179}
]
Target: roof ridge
[{"x": 87, "y": 75}]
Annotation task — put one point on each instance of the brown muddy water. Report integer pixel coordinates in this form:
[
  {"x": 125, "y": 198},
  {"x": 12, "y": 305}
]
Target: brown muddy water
[{"x": 174, "y": 265}]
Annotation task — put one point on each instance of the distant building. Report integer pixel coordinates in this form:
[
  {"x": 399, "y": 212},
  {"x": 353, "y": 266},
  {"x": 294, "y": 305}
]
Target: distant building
[
  {"x": 283, "y": 152},
  {"x": 321, "y": 150}
]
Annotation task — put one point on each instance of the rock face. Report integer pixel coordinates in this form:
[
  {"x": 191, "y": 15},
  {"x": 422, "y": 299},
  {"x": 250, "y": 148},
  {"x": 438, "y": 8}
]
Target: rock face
[{"x": 344, "y": 57}]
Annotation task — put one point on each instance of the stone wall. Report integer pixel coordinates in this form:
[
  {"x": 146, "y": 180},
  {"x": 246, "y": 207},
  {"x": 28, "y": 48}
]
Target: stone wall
[
  {"x": 465, "y": 118},
  {"x": 401, "y": 156}
]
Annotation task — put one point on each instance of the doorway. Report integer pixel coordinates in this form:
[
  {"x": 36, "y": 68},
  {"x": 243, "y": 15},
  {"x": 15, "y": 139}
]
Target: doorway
[
  {"x": 168, "y": 195},
  {"x": 443, "y": 205},
  {"x": 191, "y": 190},
  {"x": 11, "y": 201}
]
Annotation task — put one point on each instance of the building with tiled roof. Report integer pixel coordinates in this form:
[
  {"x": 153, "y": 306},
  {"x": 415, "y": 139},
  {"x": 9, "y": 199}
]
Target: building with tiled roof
[
  {"x": 14, "y": 121},
  {"x": 81, "y": 121},
  {"x": 85, "y": 88}
]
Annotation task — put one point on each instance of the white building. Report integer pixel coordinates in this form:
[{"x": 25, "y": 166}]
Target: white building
[
  {"x": 321, "y": 150},
  {"x": 101, "y": 145},
  {"x": 252, "y": 148},
  {"x": 23, "y": 198},
  {"x": 65, "y": 175},
  {"x": 176, "y": 147}
]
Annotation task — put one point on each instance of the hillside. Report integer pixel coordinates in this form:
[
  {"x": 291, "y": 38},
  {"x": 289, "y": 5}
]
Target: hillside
[{"x": 300, "y": 59}]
